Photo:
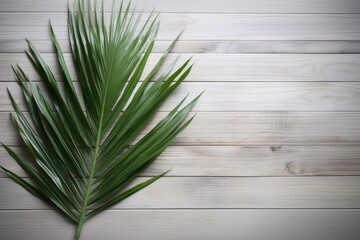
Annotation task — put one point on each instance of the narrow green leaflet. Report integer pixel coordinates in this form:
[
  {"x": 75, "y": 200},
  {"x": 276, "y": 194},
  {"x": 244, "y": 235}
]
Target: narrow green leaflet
[{"x": 84, "y": 136}]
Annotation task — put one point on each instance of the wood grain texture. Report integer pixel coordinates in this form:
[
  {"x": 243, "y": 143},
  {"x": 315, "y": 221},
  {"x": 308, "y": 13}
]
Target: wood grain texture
[
  {"x": 328, "y": 47},
  {"x": 251, "y": 128},
  {"x": 224, "y": 6},
  {"x": 214, "y": 192},
  {"x": 221, "y": 161},
  {"x": 188, "y": 224},
  {"x": 226, "y": 67},
  {"x": 205, "y": 26},
  {"x": 247, "y": 96},
  {"x": 273, "y": 153}
]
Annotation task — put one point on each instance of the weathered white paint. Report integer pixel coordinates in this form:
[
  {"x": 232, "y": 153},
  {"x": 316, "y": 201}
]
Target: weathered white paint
[{"x": 282, "y": 102}]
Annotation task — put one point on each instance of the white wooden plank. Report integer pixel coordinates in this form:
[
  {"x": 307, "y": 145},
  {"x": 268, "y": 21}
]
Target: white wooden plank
[
  {"x": 215, "y": 192},
  {"x": 251, "y": 128},
  {"x": 328, "y": 47},
  {"x": 248, "y": 96},
  {"x": 241, "y": 161},
  {"x": 225, "y": 67},
  {"x": 224, "y": 6},
  {"x": 256, "y": 128},
  {"x": 205, "y": 26},
  {"x": 188, "y": 224}
]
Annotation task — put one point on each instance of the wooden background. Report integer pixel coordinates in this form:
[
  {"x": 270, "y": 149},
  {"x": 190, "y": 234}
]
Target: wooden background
[{"x": 274, "y": 150}]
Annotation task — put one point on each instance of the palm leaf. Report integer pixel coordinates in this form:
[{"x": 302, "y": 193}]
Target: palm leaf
[{"x": 83, "y": 139}]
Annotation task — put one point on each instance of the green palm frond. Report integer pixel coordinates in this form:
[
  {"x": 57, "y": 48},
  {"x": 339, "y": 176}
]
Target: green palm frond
[{"x": 83, "y": 138}]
